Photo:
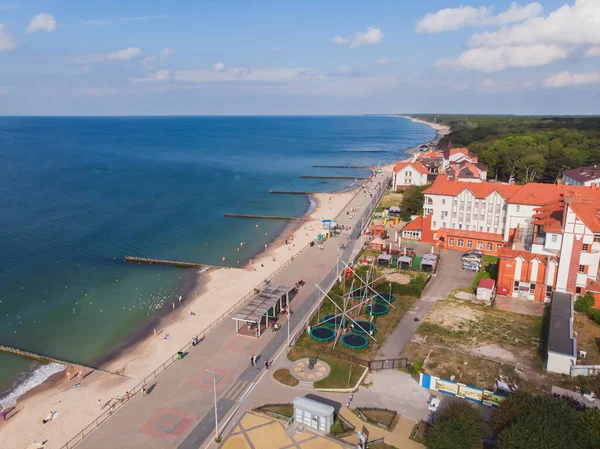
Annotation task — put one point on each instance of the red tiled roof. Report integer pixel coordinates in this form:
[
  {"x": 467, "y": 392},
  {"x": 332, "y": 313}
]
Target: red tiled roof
[
  {"x": 550, "y": 216},
  {"x": 416, "y": 165},
  {"x": 474, "y": 235},
  {"x": 486, "y": 283},
  {"x": 507, "y": 253},
  {"x": 430, "y": 154},
  {"x": 414, "y": 225},
  {"x": 589, "y": 213},
  {"x": 442, "y": 186}
]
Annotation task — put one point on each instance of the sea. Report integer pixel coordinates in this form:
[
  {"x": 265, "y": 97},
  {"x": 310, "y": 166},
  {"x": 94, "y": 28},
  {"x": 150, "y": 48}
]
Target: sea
[{"x": 79, "y": 194}]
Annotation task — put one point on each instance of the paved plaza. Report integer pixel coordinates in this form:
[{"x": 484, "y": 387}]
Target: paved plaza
[{"x": 261, "y": 432}]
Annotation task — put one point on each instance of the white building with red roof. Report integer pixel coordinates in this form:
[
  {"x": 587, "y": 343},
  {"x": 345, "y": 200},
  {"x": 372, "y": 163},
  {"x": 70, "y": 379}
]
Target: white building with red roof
[{"x": 408, "y": 173}]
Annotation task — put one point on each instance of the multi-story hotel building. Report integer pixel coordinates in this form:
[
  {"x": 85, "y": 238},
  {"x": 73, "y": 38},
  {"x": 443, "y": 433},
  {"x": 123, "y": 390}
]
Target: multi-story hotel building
[{"x": 547, "y": 236}]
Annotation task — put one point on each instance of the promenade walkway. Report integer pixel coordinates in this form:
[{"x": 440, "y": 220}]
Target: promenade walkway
[{"x": 178, "y": 410}]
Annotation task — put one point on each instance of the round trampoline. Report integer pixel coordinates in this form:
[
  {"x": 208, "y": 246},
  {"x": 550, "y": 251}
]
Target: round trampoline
[
  {"x": 377, "y": 309},
  {"x": 322, "y": 333},
  {"x": 384, "y": 297},
  {"x": 364, "y": 327},
  {"x": 333, "y": 320},
  {"x": 360, "y": 293},
  {"x": 354, "y": 341}
]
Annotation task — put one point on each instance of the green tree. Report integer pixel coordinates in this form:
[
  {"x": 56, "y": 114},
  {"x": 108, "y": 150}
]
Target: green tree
[
  {"x": 526, "y": 421},
  {"x": 588, "y": 429},
  {"x": 585, "y": 303},
  {"x": 412, "y": 200},
  {"x": 459, "y": 427}
]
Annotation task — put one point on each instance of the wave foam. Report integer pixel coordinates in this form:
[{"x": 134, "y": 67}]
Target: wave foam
[{"x": 30, "y": 381}]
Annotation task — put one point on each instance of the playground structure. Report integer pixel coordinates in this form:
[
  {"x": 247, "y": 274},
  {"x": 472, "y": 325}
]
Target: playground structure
[{"x": 345, "y": 325}]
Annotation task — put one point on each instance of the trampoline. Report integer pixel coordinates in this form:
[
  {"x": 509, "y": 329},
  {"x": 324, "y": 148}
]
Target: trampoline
[
  {"x": 377, "y": 309},
  {"x": 354, "y": 341},
  {"x": 322, "y": 333},
  {"x": 384, "y": 297},
  {"x": 364, "y": 327},
  {"x": 360, "y": 293},
  {"x": 334, "y": 320}
]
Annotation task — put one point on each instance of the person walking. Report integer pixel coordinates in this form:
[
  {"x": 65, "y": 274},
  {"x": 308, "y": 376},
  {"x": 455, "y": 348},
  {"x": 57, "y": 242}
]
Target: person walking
[
  {"x": 266, "y": 364},
  {"x": 252, "y": 360},
  {"x": 144, "y": 390}
]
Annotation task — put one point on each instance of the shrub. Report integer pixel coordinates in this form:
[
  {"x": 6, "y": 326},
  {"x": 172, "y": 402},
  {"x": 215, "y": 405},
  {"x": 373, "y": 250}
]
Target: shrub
[
  {"x": 585, "y": 304},
  {"x": 588, "y": 429},
  {"x": 595, "y": 315},
  {"x": 460, "y": 427},
  {"x": 336, "y": 427}
]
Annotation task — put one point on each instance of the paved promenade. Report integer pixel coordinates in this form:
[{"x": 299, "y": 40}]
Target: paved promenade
[{"x": 178, "y": 409}]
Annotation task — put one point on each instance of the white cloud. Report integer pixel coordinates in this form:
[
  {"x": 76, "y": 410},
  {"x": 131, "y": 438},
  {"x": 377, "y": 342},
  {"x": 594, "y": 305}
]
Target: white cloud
[
  {"x": 451, "y": 19},
  {"x": 7, "y": 41},
  {"x": 160, "y": 76},
  {"x": 361, "y": 38},
  {"x": 219, "y": 67},
  {"x": 576, "y": 24},
  {"x": 153, "y": 62},
  {"x": 164, "y": 54},
  {"x": 386, "y": 61},
  {"x": 594, "y": 51},
  {"x": 97, "y": 92},
  {"x": 120, "y": 20},
  {"x": 337, "y": 39},
  {"x": 125, "y": 54},
  {"x": 563, "y": 79},
  {"x": 119, "y": 55},
  {"x": 502, "y": 58},
  {"x": 243, "y": 74},
  {"x": 146, "y": 62},
  {"x": 41, "y": 22},
  {"x": 345, "y": 70}
]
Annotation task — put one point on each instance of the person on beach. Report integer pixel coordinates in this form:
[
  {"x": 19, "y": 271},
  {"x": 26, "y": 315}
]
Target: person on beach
[
  {"x": 252, "y": 360},
  {"x": 266, "y": 364},
  {"x": 144, "y": 390},
  {"x": 180, "y": 299},
  {"x": 99, "y": 404},
  {"x": 3, "y": 415},
  {"x": 173, "y": 305},
  {"x": 68, "y": 375},
  {"x": 80, "y": 374}
]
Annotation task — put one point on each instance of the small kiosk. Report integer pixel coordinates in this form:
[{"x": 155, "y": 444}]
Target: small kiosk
[{"x": 312, "y": 414}]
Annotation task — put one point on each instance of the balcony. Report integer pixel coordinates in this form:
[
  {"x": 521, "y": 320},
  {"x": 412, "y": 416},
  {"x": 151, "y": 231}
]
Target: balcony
[{"x": 539, "y": 240}]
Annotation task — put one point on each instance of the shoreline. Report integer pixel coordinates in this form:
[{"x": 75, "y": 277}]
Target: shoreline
[
  {"x": 142, "y": 353},
  {"x": 441, "y": 131}
]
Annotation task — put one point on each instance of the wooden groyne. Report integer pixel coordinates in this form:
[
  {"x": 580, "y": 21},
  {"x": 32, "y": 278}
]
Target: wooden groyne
[
  {"x": 173, "y": 263},
  {"x": 47, "y": 359},
  {"x": 285, "y": 192},
  {"x": 267, "y": 217},
  {"x": 333, "y": 177},
  {"x": 342, "y": 166}
]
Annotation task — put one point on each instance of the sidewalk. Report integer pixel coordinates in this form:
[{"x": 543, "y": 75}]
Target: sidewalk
[{"x": 179, "y": 410}]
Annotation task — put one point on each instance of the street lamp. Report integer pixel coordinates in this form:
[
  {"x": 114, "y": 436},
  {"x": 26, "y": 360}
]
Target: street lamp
[{"x": 215, "y": 394}]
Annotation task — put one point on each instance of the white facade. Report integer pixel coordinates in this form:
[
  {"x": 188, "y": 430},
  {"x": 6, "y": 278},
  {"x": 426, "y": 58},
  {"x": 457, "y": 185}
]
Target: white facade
[
  {"x": 409, "y": 176},
  {"x": 560, "y": 363},
  {"x": 466, "y": 212}
]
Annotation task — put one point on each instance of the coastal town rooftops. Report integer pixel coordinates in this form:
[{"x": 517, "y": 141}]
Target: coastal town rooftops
[
  {"x": 584, "y": 174},
  {"x": 589, "y": 213},
  {"x": 414, "y": 225},
  {"x": 443, "y": 186},
  {"x": 527, "y": 256},
  {"x": 560, "y": 335},
  {"x": 398, "y": 166}
]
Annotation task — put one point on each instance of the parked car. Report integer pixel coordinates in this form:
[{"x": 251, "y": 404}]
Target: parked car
[
  {"x": 471, "y": 258},
  {"x": 471, "y": 267},
  {"x": 474, "y": 251}
]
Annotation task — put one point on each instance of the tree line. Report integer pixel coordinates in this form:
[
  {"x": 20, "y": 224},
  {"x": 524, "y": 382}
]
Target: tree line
[{"x": 525, "y": 149}]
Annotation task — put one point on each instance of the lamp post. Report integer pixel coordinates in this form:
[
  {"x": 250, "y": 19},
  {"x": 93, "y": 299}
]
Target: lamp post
[{"x": 215, "y": 395}]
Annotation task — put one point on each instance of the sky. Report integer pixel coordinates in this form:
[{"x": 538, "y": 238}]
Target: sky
[{"x": 212, "y": 57}]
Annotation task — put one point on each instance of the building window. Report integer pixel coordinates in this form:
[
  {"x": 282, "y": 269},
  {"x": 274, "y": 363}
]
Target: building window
[
  {"x": 581, "y": 268},
  {"x": 461, "y": 243},
  {"x": 578, "y": 290},
  {"x": 516, "y": 286},
  {"x": 434, "y": 224},
  {"x": 586, "y": 247},
  {"x": 445, "y": 213},
  {"x": 480, "y": 228},
  {"x": 498, "y": 245},
  {"x": 532, "y": 288},
  {"x": 479, "y": 245},
  {"x": 554, "y": 238},
  {"x": 518, "y": 208},
  {"x": 443, "y": 224},
  {"x": 443, "y": 201},
  {"x": 469, "y": 244},
  {"x": 451, "y": 241},
  {"x": 488, "y": 246},
  {"x": 429, "y": 200},
  {"x": 460, "y": 226},
  {"x": 548, "y": 291},
  {"x": 597, "y": 238}
]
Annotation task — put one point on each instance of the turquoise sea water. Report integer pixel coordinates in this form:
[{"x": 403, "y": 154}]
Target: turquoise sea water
[{"x": 78, "y": 194}]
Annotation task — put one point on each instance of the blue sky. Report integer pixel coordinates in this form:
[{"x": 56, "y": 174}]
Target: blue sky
[{"x": 276, "y": 57}]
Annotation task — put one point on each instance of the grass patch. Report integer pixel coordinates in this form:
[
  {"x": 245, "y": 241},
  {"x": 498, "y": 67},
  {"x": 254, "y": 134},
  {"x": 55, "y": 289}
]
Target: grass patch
[
  {"x": 286, "y": 410},
  {"x": 283, "y": 376},
  {"x": 386, "y": 417},
  {"x": 588, "y": 338},
  {"x": 343, "y": 374},
  {"x": 419, "y": 431}
]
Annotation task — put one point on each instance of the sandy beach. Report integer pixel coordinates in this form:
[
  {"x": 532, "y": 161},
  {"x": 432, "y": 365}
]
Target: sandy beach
[
  {"x": 218, "y": 291},
  {"x": 441, "y": 130}
]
